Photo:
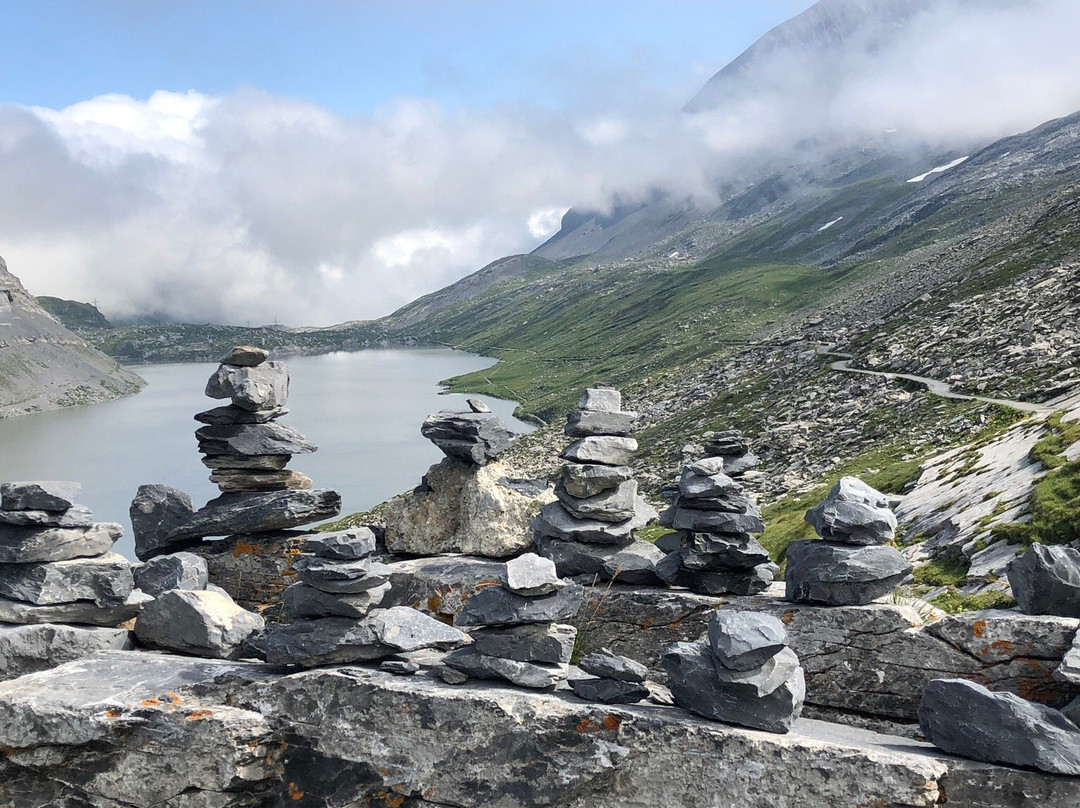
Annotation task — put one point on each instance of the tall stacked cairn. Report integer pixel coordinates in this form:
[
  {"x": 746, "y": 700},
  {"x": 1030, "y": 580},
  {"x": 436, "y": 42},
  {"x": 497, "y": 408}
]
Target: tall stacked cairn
[
  {"x": 588, "y": 532},
  {"x": 247, "y": 452},
  {"x": 713, "y": 551},
  {"x": 334, "y": 611},
  {"x": 519, "y": 628},
  {"x": 743, "y": 673},
  {"x": 852, "y": 565}
]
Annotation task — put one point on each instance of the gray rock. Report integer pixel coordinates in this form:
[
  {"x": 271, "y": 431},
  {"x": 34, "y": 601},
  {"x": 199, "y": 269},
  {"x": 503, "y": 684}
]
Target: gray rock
[
  {"x": 608, "y": 691},
  {"x": 706, "y": 467},
  {"x": 347, "y": 545},
  {"x": 176, "y": 571},
  {"x": 246, "y": 356},
  {"x": 231, "y": 414},
  {"x": 476, "y": 405},
  {"x": 82, "y": 612},
  {"x": 550, "y": 643},
  {"x": 476, "y": 437},
  {"x": 587, "y": 423},
  {"x": 249, "y": 440},
  {"x": 854, "y": 513},
  {"x": 605, "y": 664},
  {"x": 556, "y": 522},
  {"x": 253, "y": 463},
  {"x": 583, "y": 480},
  {"x": 701, "y": 521},
  {"x": 76, "y": 516},
  {"x": 105, "y": 581},
  {"x": 732, "y": 582},
  {"x": 729, "y": 443},
  {"x": 302, "y": 601},
  {"x": 265, "y": 387},
  {"x": 452, "y": 676},
  {"x": 399, "y": 667},
  {"x": 841, "y": 574},
  {"x": 258, "y": 513},
  {"x": 601, "y": 398},
  {"x": 47, "y": 495},
  {"x": 533, "y": 675},
  {"x": 28, "y": 649},
  {"x": 495, "y": 606},
  {"x": 738, "y": 466},
  {"x": 27, "y": 545},
  {"x": 156, "y": 512},
  {"x": 405, "y": 629},
  {"x": 693, "y": 485},
  {"x": 633, "y": 564},
  {"x": 672, "y": 542},
  {"x": 1046, "y": 580},
  {"x": 720, "y": 550},
  {"x": 342, "y": 577},
  {"x": 695, "y": 686},
  {"x": 199, "y": 623},
  {"x": 1069, "y": 669},
  {"x": 330, "y": 641},
  {"x": 230, "y": 480},
  {"x": 607, "y": 451},
  {"x": 530, "y": 574},
  {"x": 759, "y": 682},
  {"x": 744, "y": 641},
  {"x": 614, "y": 505},
  {"x": 1072, "y": 711},
  {"x": 964, "y": 718}
]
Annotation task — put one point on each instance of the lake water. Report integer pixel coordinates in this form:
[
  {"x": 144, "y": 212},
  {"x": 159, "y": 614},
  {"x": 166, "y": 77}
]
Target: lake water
[{"x": 362, "y": 409}]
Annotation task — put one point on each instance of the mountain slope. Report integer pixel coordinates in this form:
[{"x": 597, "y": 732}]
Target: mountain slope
[{"x": 45, "y": 366}]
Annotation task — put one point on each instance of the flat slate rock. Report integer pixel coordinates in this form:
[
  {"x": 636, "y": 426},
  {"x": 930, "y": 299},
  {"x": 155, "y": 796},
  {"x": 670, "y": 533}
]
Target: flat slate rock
[
  {"x": 608, "y": 665},
  {"x": 670, "y": 569},
  {"x": 842, "y": 574},
  {"x": 722, "y": 551},
  {"x": 530, "y": 575},
  {"x": 265, "y": 387},
  {"x": 253, "y": 440},
  {"x": 399, "y": 667},
  {"x": 330, "y": 641},
  {"x": 302, "y": 601},
  {"x": 28, "y": 649},
  {"x": 759, "y": 682},
  {"x": 534, "y": 675},
  {"x": 588, "y": 423},
  {"x": 584, "y": 480},
  {"x": 551, "y": 643},
  {"x": 175, "y": 571},
  {"x": 156, "y": 512},
  {"x": 1069, "y": 669},
  {"x": 258, "y": 513},
  {"x": 601, "y": 399},
  {"x": 105, "y": 581},
  {"x": 231, "y": 414},
  {"x": 496, "y": 606},
  {"x": 692, "y": 678},
  {"x": 49, "y": 495},
  {"x": 81, "y": 613},
  {"x": 476, "y": 437},
  {"x": 607, "y": 451},
  {"x": 634, "y": 563},
  {"x": 229, "y": 480},
  {"x": 26, "y": 545},
  {"x": 695, "y": 485},
  {"x": 246, "y": 356},
  {"x": 614, "y": 505},
  {"x": 743, "y": 641},
  {"x": 854, "y": 513},
  {"x": 608, "y": 691},
  {"x": 406, "y": 629},
  {"x": 345, "y": 545},
  {"x": 556, "y": 522},
  {"x": 75, "y": 516},
  {"x": 702, "y": 521},
  {"x": 964, "y": 718},
  {"x": 1046, "y": 580},
  {"x": 198, "y": 623},
  {"x": 342, "y": 577}
]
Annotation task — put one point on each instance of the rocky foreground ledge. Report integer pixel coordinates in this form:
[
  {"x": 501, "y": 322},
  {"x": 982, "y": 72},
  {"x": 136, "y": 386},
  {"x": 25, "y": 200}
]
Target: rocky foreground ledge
[{"x": 144, "y": 729}]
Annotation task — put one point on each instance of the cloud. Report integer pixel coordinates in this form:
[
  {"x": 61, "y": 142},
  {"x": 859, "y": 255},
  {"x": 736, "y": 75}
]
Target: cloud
[{"x": 250, "y": 207}]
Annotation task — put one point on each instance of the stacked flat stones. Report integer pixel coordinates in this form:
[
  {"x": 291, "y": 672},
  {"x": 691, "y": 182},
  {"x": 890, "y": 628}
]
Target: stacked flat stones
[
  {"x": 519, "y": 627},
  {"x": 56, "y": 563},
  {"x": 247, "y": 451},
  {"x": 477, "y": 437},
  {"x": 712, "y": 550},
  {"x": 734, "y": 450},
  {"x": 744, "y": 673},
  {"x": 614, "y": 679},
  {"x": 334, "y": 614},
  {"x": 852, "y": 565},
  {"x": 589, "y": 530}
]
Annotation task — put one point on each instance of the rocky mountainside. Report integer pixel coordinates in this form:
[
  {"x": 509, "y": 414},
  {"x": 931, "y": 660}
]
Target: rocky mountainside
[
  {"x": 74, "y": 314},
  {"x": 45, "y": 366}
]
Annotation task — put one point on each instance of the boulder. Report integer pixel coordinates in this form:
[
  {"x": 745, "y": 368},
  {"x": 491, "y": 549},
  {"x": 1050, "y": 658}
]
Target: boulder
[
  {"x": 614, "y": 505},
  {"x": 347, "y": 545},
  {"x": 28, "y": 545},
  {"x": 302, "y": 601},
  {"x": 606, "y": 665},
  {"x": 257, "y": 513},
  {"x": 583, "y": 480},
  {"x": 701, "y": 521},
  {"x": 1046, "y": 580},
  {"x": 156, "y": 512},
  {"x": 246, "y": 356},
  {"x": 536, "y": 675},
  {"x": 265, "y": 387},
  {"x": 549, "y": 643},
  {"x": 105, "y": 581},
  {"x": 964, "y": 718},
  {"x": 199, "y": 623},
  {"x": 608, "y": 691},
  {"x": 464, "y": 509},
  {"x": 474, "y": 437},
  {"x": 229, "y": 480},
  {"x": 744, "y": 641},
  {"x": 39, "y": 496},
  {"x": 530, "y": 574},
  {"x": 607, "y": 451},
  {"x": 588, "y": 423},
  {"x": 176, "y": 571},
  {"x": 633, "y": 563},
  {"x": 854, "y": 513},
  {"x": 842, "y": 574},
  {"x": 253, "y": 440},
  {"x": 496, "y": 606},
  {"x": 556, "y": 522},
  {"x": 28, "y": 649},
  {"x": 231, "y": 414},
  {"x": 75, "y": 516},
  {"x": 601, "y": 399},
  {"x": 342, "y": 577},
  {"x": 83, "y": 612}
]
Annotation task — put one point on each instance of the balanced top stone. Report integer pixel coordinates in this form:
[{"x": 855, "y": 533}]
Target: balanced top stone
[
  {"x": 602, "y": 399},
  {"x": 475, "y": 437},
  {"x": 854, "y": 513},
  {"x": 246, "y": 356},
  {"x": 476, "y": 405},
  {"x": 531, "y": 574},
  {"x": 38, "y": 496},
  {"x": 265, "y": 387},
  {"x": 743, "y": 641}
]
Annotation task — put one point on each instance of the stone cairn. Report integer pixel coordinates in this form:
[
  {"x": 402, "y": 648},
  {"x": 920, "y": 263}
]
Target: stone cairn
[
  {"x": 57, "y": 564},
  {"x": 247, "y": 451},
  {"x": 712, "y": 551},
  {"x": 851, "y": 565},
  {"x": 335, "y": 619},
  {"x": 519, "y": 627},
  {"x": 588, "y": 532},
  {"x": 744, "y": 673}
]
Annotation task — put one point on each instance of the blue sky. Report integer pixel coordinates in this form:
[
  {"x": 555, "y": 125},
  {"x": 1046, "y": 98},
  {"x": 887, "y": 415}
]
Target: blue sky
[{"x": 356, "y": 55}]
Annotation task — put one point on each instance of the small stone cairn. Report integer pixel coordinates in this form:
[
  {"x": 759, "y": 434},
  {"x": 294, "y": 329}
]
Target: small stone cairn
[
  {"x": 743, "y": 673},
  {"x": 614, "y": 679},
  {"x": 477, "y": 437},
  {"x": 588, "y": 532},
  {"x": 519, "y": 628},
  {"x": 247, "y": 451},
  {"x": 851, "y": 565},
  {"x": 57, "y": 564},
  {"x": 712, "y": 551},
  {"x": 333, "y": 608}
]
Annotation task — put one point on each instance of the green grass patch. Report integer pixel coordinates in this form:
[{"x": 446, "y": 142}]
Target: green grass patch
[
  {"x": 942, "y": 572},
  {"x": 954, "y": 602}
]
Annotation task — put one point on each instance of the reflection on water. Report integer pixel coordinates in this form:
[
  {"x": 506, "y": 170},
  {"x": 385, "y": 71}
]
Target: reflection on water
[{"x": 363, "y": 409}]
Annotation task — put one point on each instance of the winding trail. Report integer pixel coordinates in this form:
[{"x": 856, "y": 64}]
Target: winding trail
[{"x": 936, "y": 387}]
